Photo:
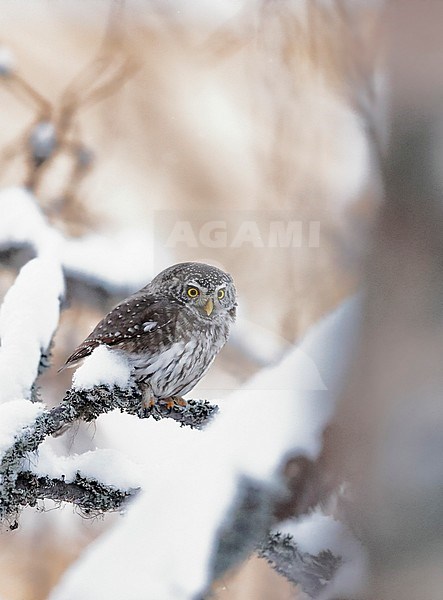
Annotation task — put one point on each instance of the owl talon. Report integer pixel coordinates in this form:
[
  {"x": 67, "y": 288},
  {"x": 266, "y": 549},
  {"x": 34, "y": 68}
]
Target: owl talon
[
  {"x": 180, "y": 401},
  {"x": 148, "y": 403},
  {"x": 174, "y": 401}
]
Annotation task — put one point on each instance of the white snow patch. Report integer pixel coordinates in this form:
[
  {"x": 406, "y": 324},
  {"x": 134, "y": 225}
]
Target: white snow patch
[
  {"x": 103, "y": 367},
  {"x": 110, "y": 467},
  {"x": 30, "y": 310},
  {"x": 190, "y": 490},
  {"x": 121, "y": 558},
  {"x": 123, "y": 259},
  {"x": 28, "y": 319},
  {"x": 22, "y": 222},
  {"x": 318, "y": 532},
  {"x": 14, "y": 417}
]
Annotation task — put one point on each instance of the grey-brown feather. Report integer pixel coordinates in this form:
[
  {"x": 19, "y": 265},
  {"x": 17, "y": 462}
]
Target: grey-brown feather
[{"x": 167, "y": 337}]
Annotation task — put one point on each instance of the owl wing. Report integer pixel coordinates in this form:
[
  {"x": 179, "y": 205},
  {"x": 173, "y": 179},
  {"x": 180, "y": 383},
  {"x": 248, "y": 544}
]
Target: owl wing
[{"x": 140, "y": 316}]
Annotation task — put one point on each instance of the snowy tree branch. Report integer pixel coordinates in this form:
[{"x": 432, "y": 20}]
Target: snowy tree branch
[
  {"x": 246, "y": 530},
  {"x": 89, "y": 404},
  {"x": 100, "y": 289},
  {"x": 16, "y": 489},
  {"x": 311, "y": 572}
]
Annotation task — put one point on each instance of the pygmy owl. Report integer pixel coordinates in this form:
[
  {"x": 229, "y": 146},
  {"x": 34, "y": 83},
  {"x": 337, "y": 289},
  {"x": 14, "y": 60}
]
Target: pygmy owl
[{"x": 171, "y": 330}]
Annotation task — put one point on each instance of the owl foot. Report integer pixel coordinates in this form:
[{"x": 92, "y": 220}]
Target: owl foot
[
  {"x": 174, "y": 401},
  {"x": 148, "y": 402}
]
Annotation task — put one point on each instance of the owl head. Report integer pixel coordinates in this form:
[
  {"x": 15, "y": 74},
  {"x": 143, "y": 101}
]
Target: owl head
[{"x": 202, "y": 288}]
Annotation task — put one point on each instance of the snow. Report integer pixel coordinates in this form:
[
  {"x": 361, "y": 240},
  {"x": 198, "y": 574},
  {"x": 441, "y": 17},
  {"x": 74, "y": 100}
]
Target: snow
[
  {"x": 105, "y": 465},
  {"x": 22, "y": 222},
  {"x": 103, "y": 367},
  {"x": 26, "y": 328},
  {"x": 30, "y": 311},
  {"x": 121, "y": 260},
  {"x": 318, "y": 532},
  {"x": 28, "y": 319},
  {"x": 14, "y": 417},
  {"x": 191, "y": 477},
  {"x": 119, "y": 565},
  {"x": 124, "y": 259}
]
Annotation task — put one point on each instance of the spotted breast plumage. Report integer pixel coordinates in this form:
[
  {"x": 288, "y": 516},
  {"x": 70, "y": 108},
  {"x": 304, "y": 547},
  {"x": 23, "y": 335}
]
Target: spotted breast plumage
[{"x": 171, "y": 330}]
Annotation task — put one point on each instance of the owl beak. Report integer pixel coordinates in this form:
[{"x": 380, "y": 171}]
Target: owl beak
[{"x": 209, "y": 306}]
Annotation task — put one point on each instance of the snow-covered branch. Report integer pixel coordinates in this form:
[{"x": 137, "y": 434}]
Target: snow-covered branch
[
  {"x": 311, "y": 572},
  {"x": 89, "y": 404},
  {"x": 86, "y": 405},
  {"x": 115, "y": 268},
  {"x": 27, "y": 327},
  {"x": 219, "y": 491}
]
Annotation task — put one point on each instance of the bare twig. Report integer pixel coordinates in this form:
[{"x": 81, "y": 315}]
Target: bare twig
[{"x": 56, "y": 121}]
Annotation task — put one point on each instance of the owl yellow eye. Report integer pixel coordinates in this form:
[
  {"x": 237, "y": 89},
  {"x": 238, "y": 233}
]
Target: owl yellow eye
[
  {"x": 193, "y": 292},
  {"x": 220, "y": 294}
]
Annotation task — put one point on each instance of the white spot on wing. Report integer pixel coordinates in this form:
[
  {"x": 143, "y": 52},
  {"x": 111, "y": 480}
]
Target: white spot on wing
[{"x": 149, "y": 326}]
